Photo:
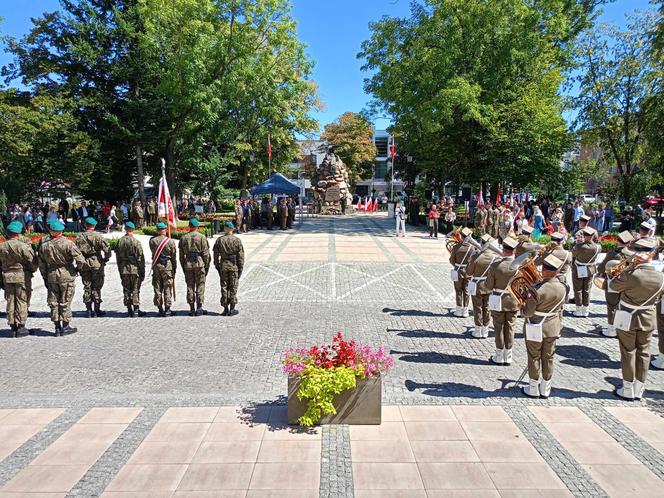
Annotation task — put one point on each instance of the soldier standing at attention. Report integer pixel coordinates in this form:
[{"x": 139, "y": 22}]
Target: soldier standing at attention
[
  {"x": 131, "y": 265},
  {"x": 584, "y": 254},
  {"x": 525, "y": 241},
  {"x": 640, "y": 288},
  {"x": 195, "y": 261},
  {"x": 282, "y": 211},
  {"x": 613, "y": 298},
  {"x": 238, "y": 213},
  {"x": 490, "y": 220},
  {"x": 59, "y": 260},
  {"x": 164, "y": 267},
  {"x": 480, "y": 220},
  {"x": 270, "y": 214},
  {"x": 477, "y": 270},
  {"x": 291, "y": 213},
  {"x": 502, "y": 303},
  {"x": 96, "y": 252},
  {"x": 151, "y": 209},
  {"x": 16, "y": 259},
  {"x": 229, "y": 262},
  {"x": 542, "y": 327},
  {"x": 138, "y": 215},
  {"x": 29, "y": 272},
  {"x": 459, "y": 258}
]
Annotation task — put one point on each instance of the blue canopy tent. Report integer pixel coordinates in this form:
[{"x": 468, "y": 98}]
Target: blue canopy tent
[{"x": 276, "y": 184}]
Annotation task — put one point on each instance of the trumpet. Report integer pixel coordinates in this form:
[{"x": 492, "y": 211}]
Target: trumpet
[
  {"x": 546, "y": 248},
  {"x": 614, "y": 269},
  {"x": 453, "y": 238},
  {"x": 527, "y": 275}
]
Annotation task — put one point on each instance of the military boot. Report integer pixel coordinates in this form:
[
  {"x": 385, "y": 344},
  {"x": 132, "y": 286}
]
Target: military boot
[
  {"x": 161, "y": 311},
  {"x": 192, "y": 310},
  {"x": 88, "y": 310},
  {"x": 98, "y": 311},
  {"x": 200, "y": 311},
  {"x": 169, "y": 312},
  {"x": 14, "y": 330},
  {"x": 58, "y": 329},
  {"x": 22, "y": 331},
  {"x": 225, "y": 313},
  {"x": 233, "y": 311},
  {"x": 138, "y": 312},
  {"x": 130, "y": 311},
  {"x": 67, "y": 330}
]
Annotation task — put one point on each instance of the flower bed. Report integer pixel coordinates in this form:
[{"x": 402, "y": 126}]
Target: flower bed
[{"x": 317, "y": 376}]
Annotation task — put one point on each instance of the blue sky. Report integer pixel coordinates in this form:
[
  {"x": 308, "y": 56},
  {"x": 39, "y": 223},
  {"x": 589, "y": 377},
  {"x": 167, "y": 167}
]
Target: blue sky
[{"x": 333, "y": 32}]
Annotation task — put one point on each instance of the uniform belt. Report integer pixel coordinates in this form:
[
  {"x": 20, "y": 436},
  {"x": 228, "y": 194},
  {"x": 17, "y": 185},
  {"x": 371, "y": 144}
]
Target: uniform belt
[
  {"x": 635, "y": 307},
  {"x": 460, "y": 266},
  {"x": 579, "y": 263},
  {"x": 478, "y": 279},
  {"x": 545, "y": 315},
  {"x": 500, "y": 292}
]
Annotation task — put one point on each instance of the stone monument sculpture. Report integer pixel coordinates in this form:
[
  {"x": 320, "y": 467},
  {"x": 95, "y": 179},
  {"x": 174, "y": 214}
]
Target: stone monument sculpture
[{"x": 331, "y": 184}]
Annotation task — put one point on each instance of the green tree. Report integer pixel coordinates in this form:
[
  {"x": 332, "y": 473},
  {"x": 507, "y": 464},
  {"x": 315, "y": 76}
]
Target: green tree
[
  {"x": 615, "y": 88},
  {"x": 351, "y": 135},
  {"x": 654, "y": 131}
]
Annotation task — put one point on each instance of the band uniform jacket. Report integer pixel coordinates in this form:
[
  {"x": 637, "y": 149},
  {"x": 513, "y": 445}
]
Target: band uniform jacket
[
  {"x": 194, "y": 251},
  {"x": 94, "y": 248},
  {"x": 585, "y": 252},
  {"x": 168, "y": 259},
  {"x": 549, "y": 298},
  {"x": 638, "y": 287},
  {"x": 16, "y": 258},
  {"x": 612, "y": 298},
  {"x": 563, "y": 255},
  {"x": 458, "y": 254},
  {"x": 479, "y": 266},
  {"x": 498, "y": 278},
  {"x": 130, "y": 257}
]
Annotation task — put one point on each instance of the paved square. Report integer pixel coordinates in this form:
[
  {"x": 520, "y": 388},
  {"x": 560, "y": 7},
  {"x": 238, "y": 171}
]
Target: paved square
[{"x": 161, "y": 395}]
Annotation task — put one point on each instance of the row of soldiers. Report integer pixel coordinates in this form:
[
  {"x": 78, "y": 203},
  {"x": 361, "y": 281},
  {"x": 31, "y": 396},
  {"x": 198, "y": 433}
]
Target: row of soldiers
[
  {"x": 487, "y": 220},
  {"x": 60, "y": 260},
  {"x": 251, "y": 214},
  {"x": 633, "y": 299}
]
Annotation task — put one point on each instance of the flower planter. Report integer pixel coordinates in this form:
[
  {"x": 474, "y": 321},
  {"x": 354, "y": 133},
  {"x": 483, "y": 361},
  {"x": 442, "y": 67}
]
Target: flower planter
[{"x": 359, "y": 406}]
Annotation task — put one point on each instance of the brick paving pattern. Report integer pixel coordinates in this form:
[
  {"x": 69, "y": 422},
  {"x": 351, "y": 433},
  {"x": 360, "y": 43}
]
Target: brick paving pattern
[{"x": 301, "y": 287}]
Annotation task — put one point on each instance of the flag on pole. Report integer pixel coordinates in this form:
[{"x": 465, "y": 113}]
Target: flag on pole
[
  {"x": 165, "y": 208},
  {"x": 366, "y": 203},
  {"x": 480, "y": 198},
  {"x": 269, "y": 147},
  {"x": 393, "y": 150},
  {"x": 359, "y": 203},
  {"x": 498, "y": 196},
  {"x": 375, "y": 205}
]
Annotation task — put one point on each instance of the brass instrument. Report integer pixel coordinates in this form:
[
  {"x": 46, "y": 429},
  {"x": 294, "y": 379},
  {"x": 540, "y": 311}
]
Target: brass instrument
[
  {"x": 453, "y": 238},
  {"x": 493, "y": 246},
  {"x": 527, "y": 275},
  {"x": 614, "y": 268},
  {"x": 546, "y": 248}
]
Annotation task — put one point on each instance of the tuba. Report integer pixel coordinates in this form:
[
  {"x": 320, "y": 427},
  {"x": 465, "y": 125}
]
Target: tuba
[
  {"x": 453, "y": 238},
  {"x": 527, "y": 275}
]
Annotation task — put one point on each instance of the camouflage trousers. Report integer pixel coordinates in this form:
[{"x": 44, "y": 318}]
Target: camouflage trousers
[
  {"x": 60, "y": 296},
  {"x": 17, "y": 304},
  {"x": 131, "y": 289},
  {"x": 195, "y": 279},
  {"x": 28, "y": 287},
  {"x": 93, "y": 281},
  {"x": 163, "y": 284},
  {"x": 229, "y": 284}
]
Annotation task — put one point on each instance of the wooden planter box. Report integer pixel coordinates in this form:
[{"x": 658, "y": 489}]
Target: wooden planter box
[{"x": 359, "y": 406}]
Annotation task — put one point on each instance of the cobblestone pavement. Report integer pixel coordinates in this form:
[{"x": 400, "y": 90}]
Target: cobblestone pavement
[{"x": 301, "y": 287}]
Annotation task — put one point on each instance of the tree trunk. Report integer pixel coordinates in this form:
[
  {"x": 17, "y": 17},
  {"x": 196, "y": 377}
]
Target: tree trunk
[
  {"x": 245, "y": 177},
  {"x": 140, "y": 175}
]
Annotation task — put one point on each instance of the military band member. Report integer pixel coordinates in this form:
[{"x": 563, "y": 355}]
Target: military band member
[
  {"x": 635, "y": 319},
  {"x": 164, "y": 267},
  {"x": 195, "y": 261},
  {"x": 644, "y": 230},
  {"x": 658, "y": 361},
  {"x": 131, "y": 265},
  {"x": 542, "y": 327},
  {"x": 583, "y": 223},
  {"x": 477, "y": 270},
  {"x": 612, "y": 298},
  {"x": 97, "y": 252},
  {"x": 229, "y": 262},
  {"x": 59, "y": 261},
  {"x": 559, "y": 252},
  {"x": 502, "y": 303},
  {"x": 16, "y": 259},
  {"x": 525, "y": 241},
  {"x": 459, "y": 259},
  {"x": 584, "y": 254}
]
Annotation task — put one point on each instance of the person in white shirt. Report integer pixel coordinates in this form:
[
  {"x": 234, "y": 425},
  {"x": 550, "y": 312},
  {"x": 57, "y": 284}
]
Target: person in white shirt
[
  {"x": 650, "y": 220},
  {"x": 400, "y": 215}
]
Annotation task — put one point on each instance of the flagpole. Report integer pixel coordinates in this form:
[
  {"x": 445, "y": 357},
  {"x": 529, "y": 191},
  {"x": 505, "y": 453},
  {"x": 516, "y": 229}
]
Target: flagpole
[
  {"x": 163, "y": 175},
  {"x": 269, "y": 156}
]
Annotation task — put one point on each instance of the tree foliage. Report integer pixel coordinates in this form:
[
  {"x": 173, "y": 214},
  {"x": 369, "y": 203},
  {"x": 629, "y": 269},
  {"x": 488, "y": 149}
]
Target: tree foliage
[{"x": 351, "y": 135}]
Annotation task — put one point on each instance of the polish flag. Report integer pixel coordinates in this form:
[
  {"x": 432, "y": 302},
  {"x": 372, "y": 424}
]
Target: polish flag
[
  {"x": 375, "y": 205},
  {"x": 480, "y": 197},
  {"x": 269, "y": 147},
  {"x": 366, "y": 203},
  {"x": 359, "y": 203},
  {"x": 165, "y": 208},
  {"x": 498, "y": 196}
]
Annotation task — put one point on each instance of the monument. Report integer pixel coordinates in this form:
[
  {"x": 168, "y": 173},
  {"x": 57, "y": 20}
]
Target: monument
[{"x": 331, "y": 184}]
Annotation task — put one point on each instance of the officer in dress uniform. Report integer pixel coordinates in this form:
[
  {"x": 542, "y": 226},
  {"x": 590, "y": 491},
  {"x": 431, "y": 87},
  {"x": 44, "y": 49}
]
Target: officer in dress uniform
[
  {"x": 477, "y": 270},
  {"x": 16, "y": 259},
  {"x": 131, "y": 265},
  {"x": 635, "y": 319},
  {"x": 584, "y": 258},
  {"x": 525, "y": 241},
  {"x": 59, "y": 261},
  {"x": 612, "y": 298},
  {"x": 459, "y": 259},
  {"x": 229, "y": 262},
  {"x": 542, "y": 327},
  {"x": 502, "y": 303},
  {"x": 195, "y": 261},
  {"x": 97, "y": 252},
  {"x": 164, "y": 267}
]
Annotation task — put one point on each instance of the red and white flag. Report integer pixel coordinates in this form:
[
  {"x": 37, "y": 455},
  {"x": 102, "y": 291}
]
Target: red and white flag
[
  {"x": 269, "y": 148},
  {"x": 165, "y": 208},
  {"x": 480, "y": 197},
  {"x": 366, "y": 203},
  {"x": 359, "y": 203},
  {"x": 375, "y": 205},
  {"x": 393, "y": 149},
  {"x": 498, "y": 196}
]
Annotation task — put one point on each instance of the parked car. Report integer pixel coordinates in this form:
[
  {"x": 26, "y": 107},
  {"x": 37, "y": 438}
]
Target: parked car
[{"x": 586, "y": 198}]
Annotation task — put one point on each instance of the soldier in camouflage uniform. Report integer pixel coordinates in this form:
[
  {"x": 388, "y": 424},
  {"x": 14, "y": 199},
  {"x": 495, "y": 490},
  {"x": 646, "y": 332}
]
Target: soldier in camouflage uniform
[
  {"x": 59, "y": 261},
  {"x": 16, "y": 259},
  {"x": 229, "y": 262},
  {"x": 164, "y": 266},
  {"x": 29, "y": 272},
  {"x": 97, "y": 252},
  {"x": 195, "y": 261},
  {"x": 131, "y": 265}
]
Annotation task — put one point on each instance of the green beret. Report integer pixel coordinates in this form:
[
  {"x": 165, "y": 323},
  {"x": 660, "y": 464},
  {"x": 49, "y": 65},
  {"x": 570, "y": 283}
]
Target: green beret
[
  {"x": 57, "y": 226},
  {"x": 194, "y": 222},
  {"x": 15, "y": 227},
  {"x": 161, "y": 226},
  {"x": 130, "y": 225},
  {"x": 229, "y": 224},
  {"x": 90, "y": 221}
]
